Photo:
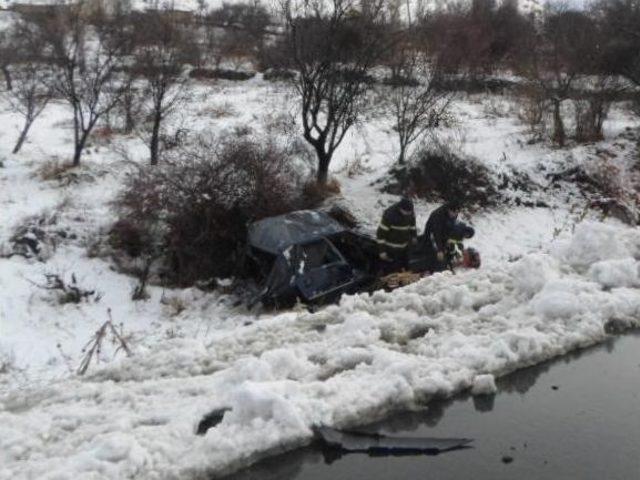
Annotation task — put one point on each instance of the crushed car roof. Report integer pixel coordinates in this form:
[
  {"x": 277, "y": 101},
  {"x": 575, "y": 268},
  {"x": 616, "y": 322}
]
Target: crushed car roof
[{"x": 276, "y": 234}]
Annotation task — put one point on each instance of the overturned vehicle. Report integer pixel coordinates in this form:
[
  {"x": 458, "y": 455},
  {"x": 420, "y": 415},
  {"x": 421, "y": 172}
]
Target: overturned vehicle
[{"x": 310, "y": 257}]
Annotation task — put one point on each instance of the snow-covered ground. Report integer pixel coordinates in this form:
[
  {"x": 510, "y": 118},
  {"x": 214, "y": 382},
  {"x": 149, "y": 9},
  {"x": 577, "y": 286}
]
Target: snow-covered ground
[{"x": 549, "y": 284}]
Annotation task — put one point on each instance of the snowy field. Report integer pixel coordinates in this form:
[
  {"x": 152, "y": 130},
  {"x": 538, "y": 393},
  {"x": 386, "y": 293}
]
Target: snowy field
[{"x": 550, "y": 282}]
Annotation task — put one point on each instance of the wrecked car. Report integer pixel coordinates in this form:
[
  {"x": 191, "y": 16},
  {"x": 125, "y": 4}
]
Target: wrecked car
[{"x": 308, "y": 256}]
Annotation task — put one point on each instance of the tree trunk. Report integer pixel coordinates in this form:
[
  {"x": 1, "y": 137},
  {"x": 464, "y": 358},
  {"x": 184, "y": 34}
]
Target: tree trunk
[
  {"x": 155, "y": 139},
  {"x": 7, "y": 77},
  {"x": 559, "y": 135},
  {"x": 23, "y": 136},
  {"x": 323, "y": 168},
  {"x": 402, "y": 155},
  {"x": 79, "y": 148},
  {"x": 129, "y": 121}
]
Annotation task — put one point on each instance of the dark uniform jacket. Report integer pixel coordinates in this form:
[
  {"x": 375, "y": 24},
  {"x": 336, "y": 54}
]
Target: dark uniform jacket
[
  {"x": 443, "y": 234},
  {"x": 396, "y": 231},
  {"x": 438, "y": 229}
]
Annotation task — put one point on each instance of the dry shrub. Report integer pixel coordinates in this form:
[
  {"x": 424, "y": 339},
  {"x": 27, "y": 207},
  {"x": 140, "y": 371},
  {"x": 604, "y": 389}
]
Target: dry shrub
[
  {"x": 129, "y": 237},
  {"x": 221, "y": 74},
  {"x": 436, "y": 173},
  {"x": 280, "y": 123},
  {"x": 95, "y": 345},
  {"x": 63, "y": 173},
  {"x": 315, "y": 193},
  {"x": 219, "y": 110},
  {"x": 606, "y": 187},
  {"x": 533, "y": 108},
  {"x": 590, "y": 115},
  {"x": 192, "y": 211},
  {"x": 103, "y": 135},
  {"x": 54, "y": 170}
]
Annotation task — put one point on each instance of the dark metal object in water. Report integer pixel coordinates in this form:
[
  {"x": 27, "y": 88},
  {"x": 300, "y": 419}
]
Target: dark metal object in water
[{"x": 376, "y": 444}]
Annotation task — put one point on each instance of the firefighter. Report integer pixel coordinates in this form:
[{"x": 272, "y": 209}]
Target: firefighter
[
  {"x": 396, "y": 233},
  {"x": 443, "y": 235}
]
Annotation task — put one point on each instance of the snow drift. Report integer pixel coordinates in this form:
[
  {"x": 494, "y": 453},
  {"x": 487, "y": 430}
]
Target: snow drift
[{"x": 345, "y": 365}]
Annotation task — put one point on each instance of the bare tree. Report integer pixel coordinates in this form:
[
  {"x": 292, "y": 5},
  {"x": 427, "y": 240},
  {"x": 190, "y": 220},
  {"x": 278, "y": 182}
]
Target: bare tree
[
  {"x": 562, "y": 52},
  {"x": 32, "y": 91},
  {"x": 333, "y": 45},
  {"x": 162, "y": 50},
  {"x": 620, "y": 22},
  {"x": 86, "y": 58},
  {"x": 417, "y": 100}
]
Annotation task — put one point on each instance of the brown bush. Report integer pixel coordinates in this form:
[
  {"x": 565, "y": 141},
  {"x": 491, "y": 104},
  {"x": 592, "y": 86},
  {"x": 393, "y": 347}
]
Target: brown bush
[
  {"x": 590, "y": 115},
  {"x": 222, "y": 74},
  {"x": 436, "y": 173},
  {"x": 54, "y": 170},
  {"x": 193, "y": 211},
  {"x": 316, "y": 193},
  {"x": 130, "y": 237}
]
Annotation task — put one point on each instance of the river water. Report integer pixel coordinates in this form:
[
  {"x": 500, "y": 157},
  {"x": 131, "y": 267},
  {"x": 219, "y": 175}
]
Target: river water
[{"x": 573, "y": 418}]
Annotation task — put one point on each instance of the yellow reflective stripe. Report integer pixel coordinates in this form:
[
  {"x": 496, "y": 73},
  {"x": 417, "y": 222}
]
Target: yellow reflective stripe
[
  {"x": 393, "y": 245},
  {"x": 403, "y": 228},
  {"x": 455, "y": 242},
  {"x": 383, "y": 226}
]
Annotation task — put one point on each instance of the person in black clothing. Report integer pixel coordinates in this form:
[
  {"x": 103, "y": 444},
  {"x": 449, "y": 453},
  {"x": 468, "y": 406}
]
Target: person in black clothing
[
  {"x": 396, "y": 232},
  {"x": 442, "y": 233}
]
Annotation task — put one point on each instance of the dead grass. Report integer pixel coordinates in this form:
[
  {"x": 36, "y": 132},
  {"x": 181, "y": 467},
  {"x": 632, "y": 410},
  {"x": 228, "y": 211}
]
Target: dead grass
[
  {"x": 219, "y": 110},
  {"x": 54, "y": 170}
]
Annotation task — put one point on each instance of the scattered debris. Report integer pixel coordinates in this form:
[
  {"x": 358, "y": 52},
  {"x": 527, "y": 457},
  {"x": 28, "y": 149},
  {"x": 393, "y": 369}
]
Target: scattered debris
[
  {"x": 211, "y": 420},
  {"x": 68, "y": 292},
  {"x": 376, "y": 444},
  {"x": 38, "y": 237},
  {"x": 398, "y": 279}
]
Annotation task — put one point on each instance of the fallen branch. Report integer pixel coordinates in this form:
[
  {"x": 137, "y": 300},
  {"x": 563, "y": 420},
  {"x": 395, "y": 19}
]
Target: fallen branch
[{"x": 94, "y": 346}]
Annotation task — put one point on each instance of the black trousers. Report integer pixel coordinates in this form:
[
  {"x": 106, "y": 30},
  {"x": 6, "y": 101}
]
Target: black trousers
[{"x": 398, "y": 261}]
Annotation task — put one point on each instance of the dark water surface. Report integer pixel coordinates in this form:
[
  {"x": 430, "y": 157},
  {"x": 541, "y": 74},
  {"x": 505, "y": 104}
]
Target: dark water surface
[{"x": 573, "y": 418}]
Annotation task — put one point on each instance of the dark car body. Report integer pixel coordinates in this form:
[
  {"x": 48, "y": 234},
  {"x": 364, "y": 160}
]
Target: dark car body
[{"x": 310, "y": 257}]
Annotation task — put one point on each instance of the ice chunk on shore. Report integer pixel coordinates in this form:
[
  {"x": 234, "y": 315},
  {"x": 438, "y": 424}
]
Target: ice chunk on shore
[
  {"x": 531, "y": 273},
  {"x": 593, "y": 242},
  {"x": 616, "y": 273},
  {"x": 484, "y": 385}
]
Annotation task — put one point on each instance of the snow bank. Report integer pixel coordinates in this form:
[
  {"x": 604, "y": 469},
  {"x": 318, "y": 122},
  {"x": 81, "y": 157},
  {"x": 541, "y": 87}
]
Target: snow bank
[{"x": 345, "y": 365}]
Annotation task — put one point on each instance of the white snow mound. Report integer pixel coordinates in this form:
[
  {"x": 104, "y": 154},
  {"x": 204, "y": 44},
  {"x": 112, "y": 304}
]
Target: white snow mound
[
  {"x": 484, "y": 385},
  {"x": 345, "y": 365}
]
